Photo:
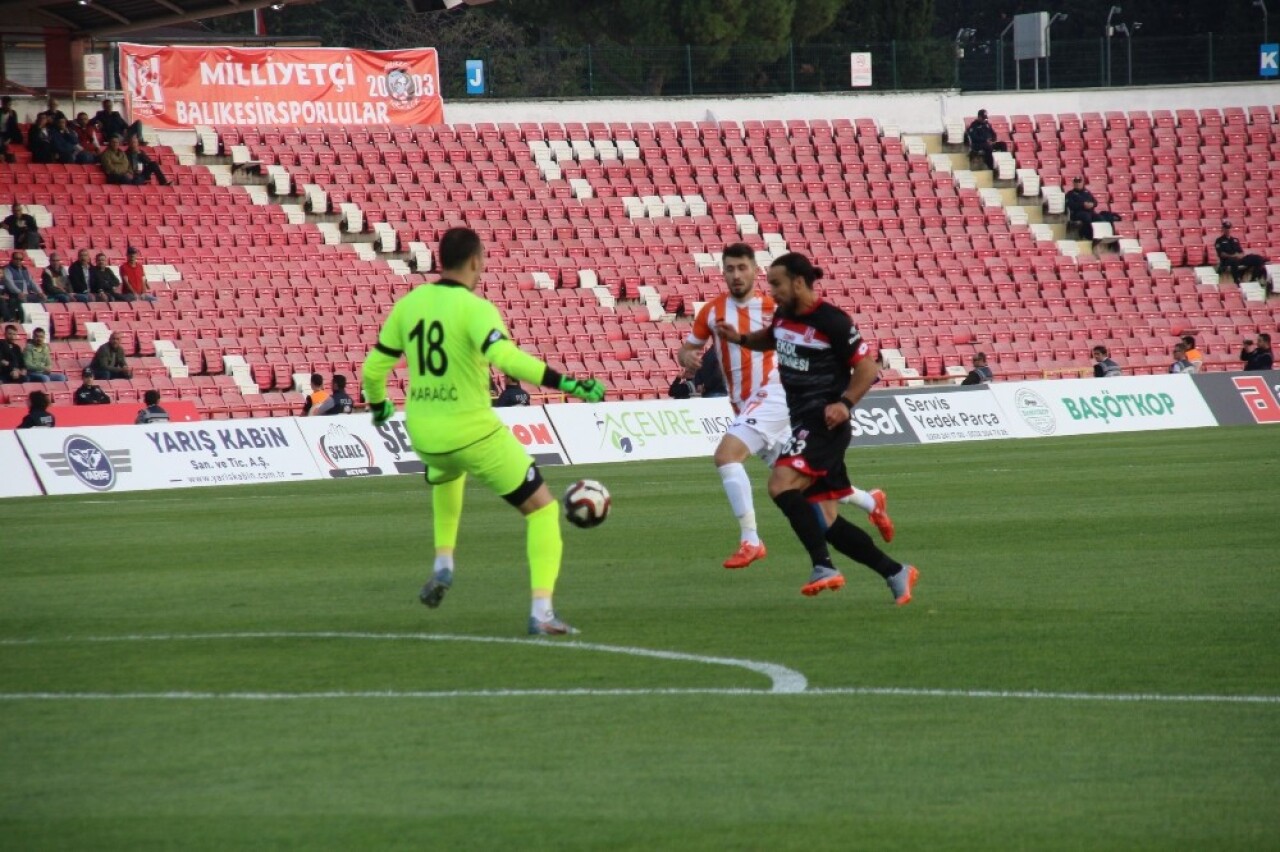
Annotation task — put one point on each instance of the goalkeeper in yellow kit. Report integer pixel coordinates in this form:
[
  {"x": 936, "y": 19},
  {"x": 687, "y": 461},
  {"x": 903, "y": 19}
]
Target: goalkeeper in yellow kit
[{"x": 449, "y": 336}]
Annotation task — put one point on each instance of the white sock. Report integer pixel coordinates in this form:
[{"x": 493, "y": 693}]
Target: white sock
[
  {"x": 542, "y": 609},
  {"x": 737, "y": 487},
  {"x": 444, "y": 563},
  {"x": 862, "y": 499}
]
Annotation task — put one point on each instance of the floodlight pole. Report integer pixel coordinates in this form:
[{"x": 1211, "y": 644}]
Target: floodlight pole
[
  {"x": 1262, "y": 4},
  {"x": 1108, "y": 32},
  {"x": 1000, "y": 57},
  {"x": 1057, "y": 16}
]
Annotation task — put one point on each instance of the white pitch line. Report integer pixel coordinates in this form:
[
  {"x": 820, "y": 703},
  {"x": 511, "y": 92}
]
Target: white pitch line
[{"x": 783, "y": 679}]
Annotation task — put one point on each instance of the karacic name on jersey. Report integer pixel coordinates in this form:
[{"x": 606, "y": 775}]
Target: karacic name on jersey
[{"x": 434, "y": 393}]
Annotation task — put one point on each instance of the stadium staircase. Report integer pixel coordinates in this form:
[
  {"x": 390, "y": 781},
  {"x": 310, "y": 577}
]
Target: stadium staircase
[{"x": 277, "y": 250}]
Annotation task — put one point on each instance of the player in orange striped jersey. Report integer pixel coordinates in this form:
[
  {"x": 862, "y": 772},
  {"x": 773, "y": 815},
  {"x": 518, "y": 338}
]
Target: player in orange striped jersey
[{"x": 762, "y": 424}]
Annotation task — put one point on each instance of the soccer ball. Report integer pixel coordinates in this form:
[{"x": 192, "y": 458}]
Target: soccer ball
[{"x": 586, "y": 503}]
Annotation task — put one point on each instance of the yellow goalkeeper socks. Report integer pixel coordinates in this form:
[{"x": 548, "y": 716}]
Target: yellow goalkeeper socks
[
  {"x": 544, "y": 548},
  {"x": 446, "y": 511}
]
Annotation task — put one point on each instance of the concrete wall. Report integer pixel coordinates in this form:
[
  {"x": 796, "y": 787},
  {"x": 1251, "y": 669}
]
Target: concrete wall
[{"x": 912, "y": 112}]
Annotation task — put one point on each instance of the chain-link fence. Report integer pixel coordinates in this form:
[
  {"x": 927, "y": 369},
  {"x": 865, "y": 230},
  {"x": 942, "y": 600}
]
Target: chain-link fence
[{"x": 749, "y": 69}]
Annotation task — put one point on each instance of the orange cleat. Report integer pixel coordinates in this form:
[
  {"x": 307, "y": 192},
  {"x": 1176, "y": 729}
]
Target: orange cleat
[
  {"x": 902, "y": 584},
  {"x": 745, "y": 555},
  {"x": 823, "y": 579},
  {"x": 880, "y": 515}
]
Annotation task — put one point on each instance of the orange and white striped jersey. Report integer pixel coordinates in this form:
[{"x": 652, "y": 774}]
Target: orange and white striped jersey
[{"x": 745, "y": 371}]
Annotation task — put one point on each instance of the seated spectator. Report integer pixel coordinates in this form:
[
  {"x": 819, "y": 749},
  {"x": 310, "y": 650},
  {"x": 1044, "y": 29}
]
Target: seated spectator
[
  {"x": 1082, "y": 208},
  {"x": 55, "y": 282},
  {"x": 1257, "y": 356},
  {"x": 133, "y": 280},
  {"x": 682, "y": 387},
  {"x": 13, "y": 369},
  {"x": 318, "y": 394},
  {"x": 153, "y": 413},
  {"x": 80, "y": 275},
  {"x": 513, "y": 394},
  {"x": 38, "y": 415},
  {"x": 89, "y": 393},
  {"x": 104, "y": 285},
  {"x": 980, "y": 374},
  {"x": 88, "y": 133},
  {"x": 19, "y": 288},
  {"x": 115, "y": 163},
  {"x": 1231, "y": 257},
  {"x": 109, "y": 362},
  {"x": 709, "y": 379},
  {"x": 1180, "y": 362},
  {"x": 1103, "y": 366},
  {"x": 338, "y": 402},
  {"x": 40, "y": 141},
  {"x": 9, "y": 130},
  {"x": 39, "y": 360},
  {"x": 980, "y": 136},
  {"x": 52, "y": 112},
  {"x": 111, "y": 123},
  {"x": 22, "y": 226},
  {"x": 1194, "y": 357},
  {"x": 143, "y": 166},
  {"x": 66, "y": 145}
]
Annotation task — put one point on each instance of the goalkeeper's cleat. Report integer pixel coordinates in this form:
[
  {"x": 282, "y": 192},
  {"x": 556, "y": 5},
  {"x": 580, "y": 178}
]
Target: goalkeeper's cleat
[
  {"x": 746, "y": 554},
  {"x": 880, "y": 515},
  {"x": 823, "y": 579},
  {"x": 902, "y": 583},
  {"x": 433, "y": 592},
  {"x": 550, "y": 627}
]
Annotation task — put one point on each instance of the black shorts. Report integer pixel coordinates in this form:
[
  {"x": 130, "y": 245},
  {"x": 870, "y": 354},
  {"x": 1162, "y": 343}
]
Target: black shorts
[{"x": 818, "y": 452}]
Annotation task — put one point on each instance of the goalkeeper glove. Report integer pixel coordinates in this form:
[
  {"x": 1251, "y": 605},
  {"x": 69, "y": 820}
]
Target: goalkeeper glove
[
  {"x": 587, "y": 390},
  {"x": 382, "y": 411}
]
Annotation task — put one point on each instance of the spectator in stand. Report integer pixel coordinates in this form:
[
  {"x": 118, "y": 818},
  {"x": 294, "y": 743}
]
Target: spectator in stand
[
  {"x": 1103, "y": 366},
  {"x": 38, "y": 415},
  {"x": 980, "y": 136},
  {"x": 1082, "y": 208},
  {"x": 22, "y": 226},
  {"x": 39, "y": 360},
  {"x": 682, "y": 387},
  {"x": 19, "y": 288},
  {"x": 143, "y": 166},
  {"x": 40, "y": 141},
  {"x": 513, "y": 394},
  {"x": 1180, "y": 362},
  {"x": 89, "y": 393},
  {"x": 318, "y": 394},
  {"x": 338, "y": 402},
  {"x": 55, "y": 282},
  {"x": 708, "y": 381},
  {"x": 980, "y": 374},
  {"x": 153, "y": 413},
  {"x": 133, "y": 279},
  {"x": 115, "y": 163},
  {"x": 104, "y": 285},
  {"x": 88, "y": 133},
  {"x": 110, "y": 122},
  {"x": 80, "y": 276},
  {"x": 66, "y": 144},
  {"x": 110, "y": 362},
  {"x": 1194, "y": 357},
  {"x": 13, "y": 369},
  {"x": 52, "y": 112},
  {"x": 9, "y": 130},
  {"x": 1257, "y": 356},
  {"x": 1231, "y": 257}
]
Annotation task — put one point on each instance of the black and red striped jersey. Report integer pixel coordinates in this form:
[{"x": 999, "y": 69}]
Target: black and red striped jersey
[{"x": 817, "y": 351}]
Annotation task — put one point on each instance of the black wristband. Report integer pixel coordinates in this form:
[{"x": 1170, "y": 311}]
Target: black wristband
[
  {"x": 550, "y": 378},
  {"x": 847, "y": 404}
]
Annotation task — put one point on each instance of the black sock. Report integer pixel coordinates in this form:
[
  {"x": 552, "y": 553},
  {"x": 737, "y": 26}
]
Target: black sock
[
  {"x": 804, "y": 520},
  {"x": 858, "y": 546}
]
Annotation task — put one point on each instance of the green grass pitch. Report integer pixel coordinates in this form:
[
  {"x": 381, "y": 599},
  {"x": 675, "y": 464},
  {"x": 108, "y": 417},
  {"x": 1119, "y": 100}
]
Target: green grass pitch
[{"x": 1091, "y": 570}]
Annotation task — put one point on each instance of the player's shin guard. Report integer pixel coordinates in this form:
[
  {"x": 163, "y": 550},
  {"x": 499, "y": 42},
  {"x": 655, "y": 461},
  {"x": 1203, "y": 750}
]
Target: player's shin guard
[
  {"x": 805, "y": 523},
  {"x": 446, "y": 510},
  {"x": 544, "y": 547},
  {"x": 858, "y": 546}
]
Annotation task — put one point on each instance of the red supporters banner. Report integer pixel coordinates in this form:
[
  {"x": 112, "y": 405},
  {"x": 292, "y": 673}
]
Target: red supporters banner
[{"x": 180, "y": 87}]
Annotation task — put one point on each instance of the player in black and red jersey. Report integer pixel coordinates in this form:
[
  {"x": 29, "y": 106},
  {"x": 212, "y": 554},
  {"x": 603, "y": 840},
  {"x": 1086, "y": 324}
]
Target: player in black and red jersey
[{"x": 825, "y": 367}]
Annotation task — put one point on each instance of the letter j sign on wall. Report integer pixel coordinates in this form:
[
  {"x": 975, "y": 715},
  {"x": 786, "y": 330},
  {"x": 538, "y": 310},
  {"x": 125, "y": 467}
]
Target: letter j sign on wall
[{"x": 475, "y": 76}]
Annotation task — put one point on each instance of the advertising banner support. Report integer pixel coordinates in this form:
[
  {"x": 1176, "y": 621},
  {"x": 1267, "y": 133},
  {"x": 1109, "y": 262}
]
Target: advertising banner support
[{"x": 171, "y": 88}]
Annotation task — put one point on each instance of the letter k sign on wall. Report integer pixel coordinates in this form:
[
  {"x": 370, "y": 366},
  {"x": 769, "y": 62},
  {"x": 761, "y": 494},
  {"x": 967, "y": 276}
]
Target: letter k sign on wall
[{"x": 1269, "y": 60}]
